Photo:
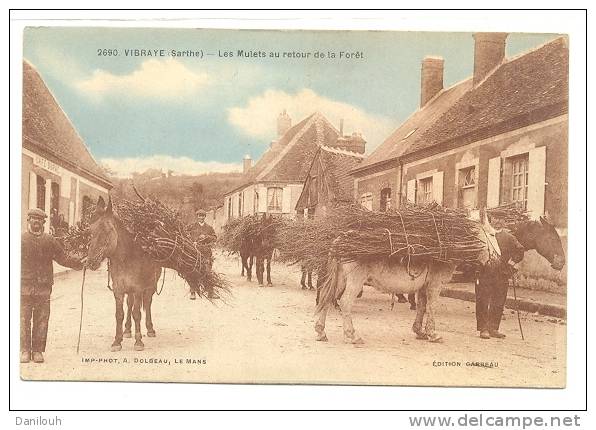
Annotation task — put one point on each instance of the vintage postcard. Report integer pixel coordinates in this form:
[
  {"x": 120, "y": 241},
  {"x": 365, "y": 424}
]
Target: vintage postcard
[{"x": 295, "y": 207}]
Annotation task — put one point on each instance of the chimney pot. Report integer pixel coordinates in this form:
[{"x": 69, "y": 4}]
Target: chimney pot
[
  {"x": 246, "y": 163},
  {"x": 431, "y": 79},
  {"x": 489, "y": 52},
  {"x": 341, "y": 127},
  {"x": 284, "y": 123}
]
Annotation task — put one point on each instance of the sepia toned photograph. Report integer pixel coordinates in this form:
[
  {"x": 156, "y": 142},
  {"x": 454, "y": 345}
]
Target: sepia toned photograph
[{"x": 294, "y": 207}]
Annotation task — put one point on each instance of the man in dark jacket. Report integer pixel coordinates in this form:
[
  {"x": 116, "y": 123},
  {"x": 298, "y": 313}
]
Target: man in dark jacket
[
  {"x": 203, "y": 234},
  {"x": 492, "y": 284},
  {"x": 38, "y": 252}
]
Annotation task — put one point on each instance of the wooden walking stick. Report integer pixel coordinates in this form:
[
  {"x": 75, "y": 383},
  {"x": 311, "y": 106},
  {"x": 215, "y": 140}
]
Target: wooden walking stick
[
  {"x": 521, "y": 330},
  {"x": 81, "y": 317}
]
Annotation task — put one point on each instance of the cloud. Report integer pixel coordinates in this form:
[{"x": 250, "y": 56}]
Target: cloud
[
  {"x": 258, "y": 118},
  {"x": 162, "y": 79},
  {"x": 124, "y": 167}
]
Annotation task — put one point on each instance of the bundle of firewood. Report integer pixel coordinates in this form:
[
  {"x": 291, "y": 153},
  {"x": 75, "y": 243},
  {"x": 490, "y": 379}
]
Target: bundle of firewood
[
  {"x": 253, "y": 229},
  {"x": 76, "y": 241},
  {"x": 352, "y": 233},
  {"x": 507, "y": 215},
  {"x": 159, "y": 231}
]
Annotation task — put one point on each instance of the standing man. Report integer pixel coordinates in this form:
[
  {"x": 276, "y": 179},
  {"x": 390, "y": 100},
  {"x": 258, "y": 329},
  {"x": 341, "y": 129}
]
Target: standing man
[
  {"x": 492, "y": 284},
  {"x": 38, "y": 252},
  {"x": 203, "y": 234}
]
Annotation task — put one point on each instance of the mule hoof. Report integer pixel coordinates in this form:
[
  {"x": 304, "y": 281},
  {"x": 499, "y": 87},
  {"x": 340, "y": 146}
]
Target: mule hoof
[
  {"x": 261, "y": 285},
  {"x": 270, "y": 284},
  {"x": 151, "y": 333},
  {"x": 435, "y": 338},
  {"x": 421, "y": 336},
  {"x": 139, "y": 346},
  {"x": 358, "y": 341},
  {"x": 127, "y": 334},
  {"x": 116, "y": 348},
  {"x": 322, "y": 338}
]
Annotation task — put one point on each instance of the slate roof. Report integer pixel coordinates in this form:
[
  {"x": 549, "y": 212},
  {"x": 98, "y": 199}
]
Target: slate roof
[
  {"x": 47, "y": 129},
  {"x": 407, "y": 133},
  {"x": 290, "y": 158},
  {"x": 524, "y": 90}
]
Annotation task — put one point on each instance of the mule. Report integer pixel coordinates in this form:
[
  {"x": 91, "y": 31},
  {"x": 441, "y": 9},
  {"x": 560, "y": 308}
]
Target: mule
[
  {"x": 346, "y": 280},
  {"x": 263, "y": 247},
  {"x": 247, "y": 257},
  {"x": 541, "y": 236},
  {"x": 133, "y": 273}
]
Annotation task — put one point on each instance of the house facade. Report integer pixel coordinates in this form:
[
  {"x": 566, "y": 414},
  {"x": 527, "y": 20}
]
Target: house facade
[
  {"x": 274, "y": 184},
  {"x": 328, "y": 181},
  {"x": 59, "y": 174},
  {"x": 495, "y": 138}
]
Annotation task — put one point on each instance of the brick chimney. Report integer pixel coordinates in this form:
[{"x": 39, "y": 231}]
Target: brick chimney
[
  {"x": 246, "y": 163},
  {"x": 353, "y": 143},
  {"x": 431, "y": 78},
  {"x": 489, "y": 52},
  {"x": 284, "y": 123}
]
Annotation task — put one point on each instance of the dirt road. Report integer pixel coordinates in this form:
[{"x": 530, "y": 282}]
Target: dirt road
[{"x": 267, "y": 335}]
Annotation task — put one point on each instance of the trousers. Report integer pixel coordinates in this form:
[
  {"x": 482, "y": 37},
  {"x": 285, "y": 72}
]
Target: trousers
[
  {"x": 35, "y": 315},
  {"x": 491, "y": 294}
]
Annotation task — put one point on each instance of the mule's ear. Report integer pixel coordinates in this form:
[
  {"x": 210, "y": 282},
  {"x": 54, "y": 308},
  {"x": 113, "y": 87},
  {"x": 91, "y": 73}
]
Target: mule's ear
[
  {"x": 101, "y": 204},
  {"x": 109, "y": 208}
]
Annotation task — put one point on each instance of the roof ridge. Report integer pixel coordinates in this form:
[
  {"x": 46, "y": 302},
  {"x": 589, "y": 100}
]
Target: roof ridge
[{"x": 341, "y": 151}]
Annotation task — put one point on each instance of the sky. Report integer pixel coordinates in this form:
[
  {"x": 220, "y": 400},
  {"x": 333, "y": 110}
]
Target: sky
[{"x": 205, "y": 113}]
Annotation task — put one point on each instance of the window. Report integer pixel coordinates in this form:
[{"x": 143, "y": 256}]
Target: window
[
  {"x": 240, "y": 201},
  {"x": 256, "y": 203},
  {"x": 385, "y": 199},
  {"x": 519, "y": 180},
  {"x": 424, "y": 193},
  {"x": 467, "y": 188},
  {"x": 274, "y": 199},
  {"x": 366, "y": 201},
  {"x": 230, "y": 207}
]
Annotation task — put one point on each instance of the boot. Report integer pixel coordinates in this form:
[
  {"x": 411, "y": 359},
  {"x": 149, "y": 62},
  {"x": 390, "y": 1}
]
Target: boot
[
  {"x": 25, "y": 356},
  {"x": 484, "y": 334},
  {"x": 37, "y": 357},
  {"x": 496, "y": 334},
  {"x": 193, "y": 295}
]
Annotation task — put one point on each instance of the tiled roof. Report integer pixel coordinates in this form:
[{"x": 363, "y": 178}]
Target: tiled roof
[
  {"x": 288, "y": 160},
  {"x": 47, "y": 128},
  {"x": 337, "y": 165},
  {"x": 407, "y": 133},
  {"x": 524, "y": 90}
]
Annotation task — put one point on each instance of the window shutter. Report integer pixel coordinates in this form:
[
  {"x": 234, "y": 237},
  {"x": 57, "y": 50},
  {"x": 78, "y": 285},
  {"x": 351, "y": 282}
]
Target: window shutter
[
  {"x": 494, "y": 182},
  {"x": 536, "y": 181},
  {"x": 411, "y": 191},
  {"x": 286, "y": 199},
  {"x": 438, "y": 187}
]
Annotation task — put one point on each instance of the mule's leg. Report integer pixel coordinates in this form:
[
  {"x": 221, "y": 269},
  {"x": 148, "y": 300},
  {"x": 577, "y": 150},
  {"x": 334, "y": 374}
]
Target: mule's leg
[
  {"x": 303, "y": 277},
  {"x": 420, "y": 311},
  {"x": 147, "y": 300},
  {"x": 260, "y": 269},
  {"x": 353, "y": 287},
  {"x": 136, "y": 315},
  {"x": 127, "y": 324},
  {"x": 269, "y": 284},
  {"x": 119, "y": 300},
  {"x": 321, "y": 316},
  {"x": 412, "y": 300},
  {"x": 243, "y": 264},
  {"x": 432, "y": 301},
  {"x": 310, "y": 287},
  {"x": 249, "y": 264},
  {"x": 401, "y": 298}
]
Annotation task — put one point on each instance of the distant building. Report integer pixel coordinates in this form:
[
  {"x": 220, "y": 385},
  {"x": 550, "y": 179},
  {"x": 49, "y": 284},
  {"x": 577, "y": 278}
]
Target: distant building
[
  {"x": 59, "y": 174},
  {"x": 274, "y": 184},
  {"x": 328, "y": 181}
]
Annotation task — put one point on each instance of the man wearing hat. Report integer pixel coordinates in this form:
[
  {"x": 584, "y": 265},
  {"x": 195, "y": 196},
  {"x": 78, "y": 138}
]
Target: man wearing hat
[
  {"x": 38, "y": 252},
  {"x": 203, "y": 234}
]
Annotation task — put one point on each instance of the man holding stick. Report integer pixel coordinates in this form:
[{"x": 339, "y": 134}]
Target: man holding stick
[
  {"x": 38, "y": 252},
  {"x": 492, "y": 284},
  {"x": 203, "y": 234}
]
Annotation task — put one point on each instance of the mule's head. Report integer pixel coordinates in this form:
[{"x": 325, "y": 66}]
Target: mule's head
[
  {"x": 104, "y": 236},
  {"x": 548, "y": 244}
]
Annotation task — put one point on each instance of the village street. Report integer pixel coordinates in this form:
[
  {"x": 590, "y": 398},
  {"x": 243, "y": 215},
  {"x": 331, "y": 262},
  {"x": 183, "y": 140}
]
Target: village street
[{"x": 267, "y": 335}]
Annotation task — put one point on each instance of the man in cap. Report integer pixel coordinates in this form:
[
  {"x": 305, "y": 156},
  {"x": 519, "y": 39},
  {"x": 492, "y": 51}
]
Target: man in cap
[
  {"x": 203, "y": 234},
  {"x": 38, "y": 252}
]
